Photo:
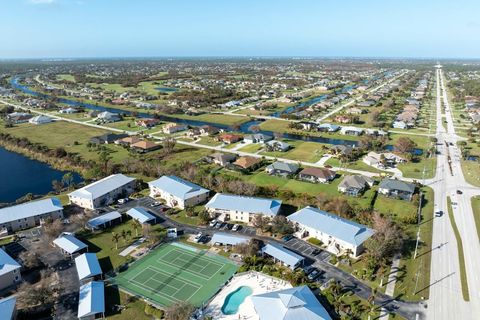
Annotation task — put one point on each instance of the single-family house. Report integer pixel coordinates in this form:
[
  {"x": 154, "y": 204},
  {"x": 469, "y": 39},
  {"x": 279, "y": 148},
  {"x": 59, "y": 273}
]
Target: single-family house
[
  {"x": 207, "y": 130},
  {"x": 289, "y": 304},
  {"x": 382, "y": 160},
  {"x": 30, "y": 214},
  {"x": 248, "y": 163},
  {"x": 107, "y": 117},
  {"x": 230, "y": 138},
  {"x": 397, "y": 189},
  {"x": 103, "y": 192},
  {"x": 328, "y": 127},
  {"x": 107, "y": 138},
  {"x": 177, "y": 192},
  {"x": 144, "y": 146},
  {"x": 317, "y": 175},
  {"x": 40, "y": 119},
  {"x": 354, "y": 185},
  {"x": 170, "y": 128},
  {"x": 351, "y": 131},
  {"x": 222, "y": 159},
  {"x": 276, "y": 145},
  {"x": 257, "y": 138},
  {"x": 227, "y": 207},
  {"x": 147, "y": 122},
  {"x": 128, "y": 141},
  {"x": 9, "y": 271},
  {"x": 339, "y": 235},
  {"x": 68, "y": 110},
  {"x": 19, "y": 117},
  {"x": 282, "y": 169}
]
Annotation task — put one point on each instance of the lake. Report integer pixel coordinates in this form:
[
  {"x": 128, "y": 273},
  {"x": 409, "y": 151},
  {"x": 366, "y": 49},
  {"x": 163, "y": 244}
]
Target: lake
[{"x": 21, "y": 175}]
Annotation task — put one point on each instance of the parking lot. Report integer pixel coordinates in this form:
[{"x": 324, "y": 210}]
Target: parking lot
[{"x": 306, "y": 249}]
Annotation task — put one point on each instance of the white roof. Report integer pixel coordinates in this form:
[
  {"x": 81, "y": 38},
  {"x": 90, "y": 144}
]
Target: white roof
[
  {"x": 69, "y": 243},
  {"x": 178, "y": 187},
  {"x": 230, "y": 239},
  {"x": 91, "y": 299},
  {"x": 140, "y": 214},
  {"x": 103, "y": 219},
  {"x": 87, "y": 266},
  {"x": 102, "y": 187},
  {"x": 269, "y": 207},
  {"x": 7, "y": 307},
  {"x": 289, "y": 304},
  {"x": 29, "y": 209},
  {"x": 7, "y": 263},
  {"x": 281, "y": 253}
]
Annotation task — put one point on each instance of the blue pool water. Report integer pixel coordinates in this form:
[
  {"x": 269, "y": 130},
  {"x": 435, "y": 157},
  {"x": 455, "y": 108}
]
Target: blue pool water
[{"x": 235, "y": 299}]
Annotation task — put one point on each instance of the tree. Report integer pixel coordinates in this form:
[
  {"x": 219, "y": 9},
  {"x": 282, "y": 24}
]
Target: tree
[
  {"x": 52, "y": 228},
  {"x": 67, "y": 179},
  {"x": 340, "y": 206},
  {"x": 260, "y": 222},
  {"x": 168, "y": 145},
  {"x": 57, "y": 186},
  {"x": 404, "y": 145},
  {"x": 136, "y": 225},
  {"x": 179, "y": 311},
  {"x": 204, "y": 216},
  {"x": 115, "y": 239},
  {"x": 104, "y": 157},
  {"x": 30, "y": 259}
]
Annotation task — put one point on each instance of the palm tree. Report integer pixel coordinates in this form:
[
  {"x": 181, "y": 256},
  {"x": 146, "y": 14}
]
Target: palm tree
[
  {"x": 115, "y": 239},
  {"x": 124, "y": 236},
  {"x": 136, "y": 226}
]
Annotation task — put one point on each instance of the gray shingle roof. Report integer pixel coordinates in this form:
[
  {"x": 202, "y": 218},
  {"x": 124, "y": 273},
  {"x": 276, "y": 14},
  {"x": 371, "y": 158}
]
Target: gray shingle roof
[
  {"x": 394, "y": 184},
  {"x": 283, "y": 166}
]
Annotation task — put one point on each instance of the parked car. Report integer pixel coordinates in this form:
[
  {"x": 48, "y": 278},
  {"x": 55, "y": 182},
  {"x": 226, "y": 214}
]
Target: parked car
[
  {"x": 219, "y": 225},
  {"x": 155, "y": 204},
  {"x": 459, "y": 192},
  {"x": 123, "y": 201},
  {"x": 438, "y": 213},
  {"x": 287, "y": 237},
  {"x": 315, "y": 252},
  {"x": 198, "y": 237},
  {"x": 314, "y": 274},
  {"x": 308, "y": 269},
  {"x": 213, "y": 223},
  {"x": 236, "y": 227}
]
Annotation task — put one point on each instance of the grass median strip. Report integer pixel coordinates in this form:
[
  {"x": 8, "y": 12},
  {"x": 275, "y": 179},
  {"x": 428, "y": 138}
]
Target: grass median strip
[{"x": 461, "y": 257}]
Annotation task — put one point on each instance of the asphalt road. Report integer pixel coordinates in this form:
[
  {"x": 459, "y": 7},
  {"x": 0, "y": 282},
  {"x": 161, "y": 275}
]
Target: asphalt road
[
  {"x": 446, "y": 301},
  {"x": 409, "y": 310}
]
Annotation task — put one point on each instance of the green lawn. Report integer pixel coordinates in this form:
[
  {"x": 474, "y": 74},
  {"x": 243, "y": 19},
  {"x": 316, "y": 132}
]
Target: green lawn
[
  {"x": 409, "y": 267},
  {"x": 209, "y": 141},
  {"x": 415, "y": 169},
  {"x": 471, "y": 170},
  {"x": 252, "y": 148},
  {"x": 476, "y": 213},
  {"x": 394, "y": 207},
  {"x": 356, "y": 165},
  {"x": 275, "y": 125},
  {"x": 66, "y": 77},
  {"x": 134, "y": 307},
  {"x": 102, "y": 244},
  {"x": 461, "y": 256},
  {"x": 422, "y": 142},
  {"x": 226, "y": 119}
]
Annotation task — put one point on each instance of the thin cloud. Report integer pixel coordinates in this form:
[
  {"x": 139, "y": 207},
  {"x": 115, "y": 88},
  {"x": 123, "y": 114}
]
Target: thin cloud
[{"x": 40, "y": 2}]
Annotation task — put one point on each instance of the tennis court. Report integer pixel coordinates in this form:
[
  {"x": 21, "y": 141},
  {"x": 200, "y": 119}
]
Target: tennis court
[{"x": 176, "y": 272}]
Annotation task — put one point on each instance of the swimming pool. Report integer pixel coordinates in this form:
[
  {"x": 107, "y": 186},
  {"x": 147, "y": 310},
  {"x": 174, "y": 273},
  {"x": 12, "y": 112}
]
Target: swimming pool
[{"x": 234, "y": 299}]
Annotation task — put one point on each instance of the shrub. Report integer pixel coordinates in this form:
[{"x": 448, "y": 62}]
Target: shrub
[
  {"x": 315, "y": 241},
  {"x": 154, "y": 312}
]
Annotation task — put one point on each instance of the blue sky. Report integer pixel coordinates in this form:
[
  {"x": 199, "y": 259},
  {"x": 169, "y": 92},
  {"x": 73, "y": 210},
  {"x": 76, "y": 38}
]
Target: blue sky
[{"x": 143, "y": 28}]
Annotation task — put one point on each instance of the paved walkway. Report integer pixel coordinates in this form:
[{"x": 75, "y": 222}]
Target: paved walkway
[
  {"x": 131, "y": 247},
  {"x": 392, "y": 276}
]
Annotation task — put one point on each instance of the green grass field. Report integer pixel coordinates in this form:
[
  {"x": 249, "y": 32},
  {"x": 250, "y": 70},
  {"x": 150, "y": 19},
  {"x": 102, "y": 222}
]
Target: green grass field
[{"x": 176, "y": 272}]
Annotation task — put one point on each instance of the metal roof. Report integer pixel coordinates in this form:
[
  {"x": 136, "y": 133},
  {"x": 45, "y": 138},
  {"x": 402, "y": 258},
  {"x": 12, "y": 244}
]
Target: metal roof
[
  {"x": 69, "y": 243},
  {"x": 339, "y": 228},
  {"x": 29, "y": 209},
  {"x": 230, "y": 239},
  {"x": 101, "y": 187},
  {"x": 91, "y": 299},
  {"x": 7, "y": 263},
  {"x": 289, "y": 304},
  {"x": 231, "y": 202},
  {"x": 103, "y": 219},
  {"x": 178, "y": 187},
  {"x": 87, "y": 266},
  {"x": 283, "y": 254},
  {"x": 140, "y": 214},
  {"x": 7, "y": 307}
]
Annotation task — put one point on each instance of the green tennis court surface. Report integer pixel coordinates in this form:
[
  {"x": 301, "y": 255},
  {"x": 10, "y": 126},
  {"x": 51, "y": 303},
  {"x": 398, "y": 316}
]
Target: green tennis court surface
[{"x": 176, "y": 272}]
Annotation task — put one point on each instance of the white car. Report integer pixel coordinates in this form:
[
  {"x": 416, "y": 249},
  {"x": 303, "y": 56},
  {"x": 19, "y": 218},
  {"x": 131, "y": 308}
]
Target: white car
[
  {"x": 235, "y": 227},
  {"x": 198, "y": 237},
  {"x": 213, "y": 222},
  {"x": 123, "y": 201}
]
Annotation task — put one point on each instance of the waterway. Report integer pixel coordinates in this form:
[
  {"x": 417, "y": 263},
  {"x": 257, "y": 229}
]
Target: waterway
[
  {"x": 244, "y": 128},
  {"x": 21, "y": 175}
]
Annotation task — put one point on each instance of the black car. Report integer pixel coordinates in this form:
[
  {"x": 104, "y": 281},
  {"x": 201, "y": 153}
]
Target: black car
[
  {"x": 439, "y": 213},
  {"x": 315, "y": 252},
  {"x": 314, "y": 274},
  {"x": 459, "y": 192}
]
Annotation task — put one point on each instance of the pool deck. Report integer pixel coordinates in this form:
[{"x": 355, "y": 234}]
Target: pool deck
[{"x": 259, "y": 282}]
